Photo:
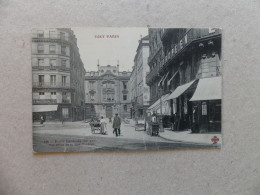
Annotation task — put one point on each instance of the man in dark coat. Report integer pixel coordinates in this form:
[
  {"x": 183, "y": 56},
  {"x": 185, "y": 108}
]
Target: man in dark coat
[{"x": 117, "y": 124}]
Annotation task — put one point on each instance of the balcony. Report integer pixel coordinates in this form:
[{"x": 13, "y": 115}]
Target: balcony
[
  {"x": 50, "y": 37},
  {"x": 61, "y": 68},
  {"x": 44, "y": 101},
  {"x": 188, "y": 38},
  {"x": 153, "y": 74},
  {"x": 46, "y": 85}
]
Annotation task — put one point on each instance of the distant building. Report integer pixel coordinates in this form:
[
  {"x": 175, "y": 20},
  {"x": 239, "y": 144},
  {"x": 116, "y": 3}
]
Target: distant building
[
  {"x": 58, "y": 75},
  {"x": 186, "y": 74},
  {"x": 140, "y": 93},
  {"x": 107, "y": 92}
]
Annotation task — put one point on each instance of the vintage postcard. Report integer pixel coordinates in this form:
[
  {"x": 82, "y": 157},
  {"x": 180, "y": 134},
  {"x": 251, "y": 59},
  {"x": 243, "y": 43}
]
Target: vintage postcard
[{"x": 107, "y": 89}]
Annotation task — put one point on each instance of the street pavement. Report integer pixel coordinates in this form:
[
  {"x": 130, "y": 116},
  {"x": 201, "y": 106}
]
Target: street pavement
[{"x": 77, "y": 136}]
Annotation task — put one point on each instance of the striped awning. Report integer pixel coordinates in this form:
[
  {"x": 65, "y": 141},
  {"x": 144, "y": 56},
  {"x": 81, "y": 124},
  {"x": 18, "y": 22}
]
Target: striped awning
[
  {"x": 156, "y": 105},
  {"x": 180, "y": 90}
]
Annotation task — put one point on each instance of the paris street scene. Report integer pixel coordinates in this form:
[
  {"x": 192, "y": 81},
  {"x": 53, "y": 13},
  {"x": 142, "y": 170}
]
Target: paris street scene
[{"x": 112, "y": 89}]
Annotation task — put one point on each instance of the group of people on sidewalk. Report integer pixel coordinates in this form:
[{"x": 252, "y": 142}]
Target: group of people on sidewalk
[{"x": 116, "y": 125}]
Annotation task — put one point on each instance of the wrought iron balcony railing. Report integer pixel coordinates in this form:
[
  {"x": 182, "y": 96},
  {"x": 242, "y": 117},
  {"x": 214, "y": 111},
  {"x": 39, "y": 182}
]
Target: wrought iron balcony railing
[
  {"x": 44, "y": 101},
  {"x": 51, "y": 85},
  {"x": 54, "y": 36},
  {"x": 62, "y": 68}
]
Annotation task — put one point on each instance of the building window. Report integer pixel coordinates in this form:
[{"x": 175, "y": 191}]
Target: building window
[
  {"x": 52, "y": 48},
  {"x": 91, "y": 97},
  {"x": 63, "y": 63},
  {"x": 63, "y": 81},
  {"x": 63, "y": 50},
  {"x": 125, "y": 85},
  {"x": 41, "y": 80},
  {"x": 40, "y": 62},
  {"x": 124, "y": 97},
  {"x": 41, "y": 93},
  {"x": 65, "y": 112},
  {"x": 125, "y": 108},
  {"x": 40, "y": 34},
  {"x": 40, "y": 48},
  {"x": 53, "y": 80},
  {"x": 204, "y": 108},
  {"x": 53, "y": 62},
  {"x": 53, "y": 93},
  {"x": 62, "y": 35},
  {"x": 52, "y": 34}
]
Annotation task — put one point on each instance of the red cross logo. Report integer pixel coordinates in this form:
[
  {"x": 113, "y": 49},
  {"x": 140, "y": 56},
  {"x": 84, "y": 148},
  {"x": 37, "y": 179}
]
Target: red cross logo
[{"x": 215, "y": 139}]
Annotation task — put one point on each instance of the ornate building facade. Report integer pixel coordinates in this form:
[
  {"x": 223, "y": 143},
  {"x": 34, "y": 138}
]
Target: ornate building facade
[
  {"x": 140, "y": 92},
  {"x": 58, "y": 75},
  {"x": 107, "y": 92},
  {"x": 186, "y": 72}
]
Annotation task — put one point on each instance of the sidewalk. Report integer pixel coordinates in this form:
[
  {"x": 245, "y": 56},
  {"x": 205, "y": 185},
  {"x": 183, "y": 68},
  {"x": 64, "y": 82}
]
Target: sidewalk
[{"x": 187, "y": 136}]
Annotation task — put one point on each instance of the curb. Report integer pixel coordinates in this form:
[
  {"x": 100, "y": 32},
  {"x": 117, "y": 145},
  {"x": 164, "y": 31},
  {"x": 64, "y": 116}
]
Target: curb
[{"x": 185, "y": 141}]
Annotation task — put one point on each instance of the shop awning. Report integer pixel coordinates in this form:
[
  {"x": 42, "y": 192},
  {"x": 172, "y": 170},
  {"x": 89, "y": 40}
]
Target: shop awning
[
  {"x": 169, "y": 82},
  {"x": 44, "y": 108},
  {"x": 208, "y": 89},
  {"x": 180, "y": 90},
  {"x": 155, "y": 105},
  {"x": 165, "y": 78},
  {"x": 159, "y": 83}
]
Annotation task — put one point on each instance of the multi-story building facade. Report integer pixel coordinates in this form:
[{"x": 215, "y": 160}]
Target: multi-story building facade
[
  {"x": 186, "y": 72},
  {"x": 107, "y": 92},
  {"x": 140, "y": 92},
  {"x": 58, "y": 75}
]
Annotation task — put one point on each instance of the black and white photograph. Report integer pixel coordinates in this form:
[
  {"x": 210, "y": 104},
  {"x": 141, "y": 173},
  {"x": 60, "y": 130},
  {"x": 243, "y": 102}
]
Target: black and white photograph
[{"x": 126, "y": 89}]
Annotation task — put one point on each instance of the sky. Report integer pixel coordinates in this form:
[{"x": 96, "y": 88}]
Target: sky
[{"x": 108, "y": 50}]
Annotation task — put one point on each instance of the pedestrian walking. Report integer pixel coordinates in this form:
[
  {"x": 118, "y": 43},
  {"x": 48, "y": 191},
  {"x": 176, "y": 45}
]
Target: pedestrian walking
[
  {"x": 103, "y": 124},
  {"x": 117, "y": 124},
  {"x": 110, "y": 120},
  {"x": 42, "y": 119}
]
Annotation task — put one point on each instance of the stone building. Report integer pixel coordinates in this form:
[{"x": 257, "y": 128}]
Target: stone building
[
  {"x": 186, "y": 74},
  {"x": 140, "y": 92},
  {"x": 107, "y": 92},
  {"x": 57, "y": 74}
]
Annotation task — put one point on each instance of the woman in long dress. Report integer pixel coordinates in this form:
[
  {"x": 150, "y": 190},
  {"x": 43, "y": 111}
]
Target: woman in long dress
[{"x": 103, "y": 123}]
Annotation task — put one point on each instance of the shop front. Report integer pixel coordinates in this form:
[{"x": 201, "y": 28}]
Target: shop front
[
  {"x": 206, "y": 102},
  {"x": 48, "y": 112},
  {"x": 181, "y": 107}
]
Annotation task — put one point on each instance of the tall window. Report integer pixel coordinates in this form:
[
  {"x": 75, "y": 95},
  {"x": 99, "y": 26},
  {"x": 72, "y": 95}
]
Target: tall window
[
  {"x": 40, "y": 62},
  {"x": 52, "y": 34},
  {"x": 53, "y": 80},
  {"x": 91, "y": 97},
  {"x": 63, "y": 63},
  {"x": 52, "y": 48},
  {"x": 63, "y": 50},
  {"x": 41, "y": 79},
  {"x": 53, "y": 62},
  {"x": 124, "y": 97},
  {"x": 40, "y": 48},
  {"x": 63, "y": 80},
  {"x": 40, "y": 34},
  {"x": 62, "y": 35},
  {"x": 125, "y": 85}
]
